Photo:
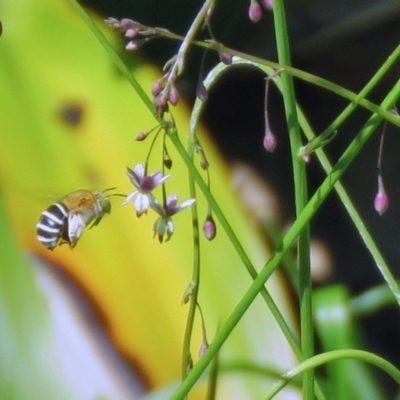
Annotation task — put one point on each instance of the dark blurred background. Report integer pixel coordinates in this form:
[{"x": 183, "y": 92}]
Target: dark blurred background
[{"x": 341, "y": 41}]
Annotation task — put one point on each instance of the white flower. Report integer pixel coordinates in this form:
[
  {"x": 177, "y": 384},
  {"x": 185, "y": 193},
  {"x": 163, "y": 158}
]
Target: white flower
[
  {"x": 143, "y": 198},
  {"x": 164, "y": 224}
]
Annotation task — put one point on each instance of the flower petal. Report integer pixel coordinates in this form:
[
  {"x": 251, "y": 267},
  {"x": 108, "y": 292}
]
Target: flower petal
[
  {"x": 142, "y": 204},
  {"x": 130, "y": 197}
]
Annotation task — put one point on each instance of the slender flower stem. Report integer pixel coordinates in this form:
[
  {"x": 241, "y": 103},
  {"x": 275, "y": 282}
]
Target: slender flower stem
[
  {"x": 300, "y": 186},
  {"x": 191, "y": 33},
  {"x": 330, "y": 356},
  {"x": 195, "y": 281}
]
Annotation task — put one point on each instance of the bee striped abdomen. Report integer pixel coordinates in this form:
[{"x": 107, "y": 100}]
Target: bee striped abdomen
[{"x": 52, "y": 225}]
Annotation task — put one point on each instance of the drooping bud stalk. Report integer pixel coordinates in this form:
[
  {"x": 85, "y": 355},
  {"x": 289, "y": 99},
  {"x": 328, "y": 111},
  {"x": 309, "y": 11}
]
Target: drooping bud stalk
[
  {"x": 255, "y": 11},
  {"x": 269, "y": 141}
]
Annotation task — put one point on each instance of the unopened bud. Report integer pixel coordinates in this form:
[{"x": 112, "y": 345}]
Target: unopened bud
[
  {"x": 268, "y": 4},
  {"x": 133, "y": 45},
  {"x": 381, "y": 202},
  {"x": 209, "y": 228},
  {"x": 132, "y": 32},
  {"x": 203, "y": 349},
  {"x": 255, "y": 11},
  {"x": 161, "y": 105},
  {"x": 225, "y": 58},
  {"x": 204, "y": 163},
  {"x": 141, "y": 136},
  {"x": 156, "y": 88},
  {"x": 269, "y": 142},
  {"x": 167, "y": 162},
  {"x": 173, "y": 96},
  {"x": 160, "y": 101},
  {"x": 201, "y": 91}
]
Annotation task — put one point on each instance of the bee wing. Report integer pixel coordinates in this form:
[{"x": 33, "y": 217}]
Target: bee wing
[{"x": 76, "y": 225}]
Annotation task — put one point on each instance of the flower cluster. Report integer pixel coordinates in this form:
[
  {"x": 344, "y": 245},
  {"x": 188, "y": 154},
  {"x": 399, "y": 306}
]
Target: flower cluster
[
  {"x": 143, "y": 199},
  {"x": 164, "y": 90},
  {"x": 136, "y": 32}
]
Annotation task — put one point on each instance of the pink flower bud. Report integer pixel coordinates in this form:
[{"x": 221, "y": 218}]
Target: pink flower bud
[
  {"x": 201, "y": 91},
  {"x": 132, "y": 32},
  {"x": 381, "y": 202},
  {"x": 167, "y": 162},
  {"x": 209, "y": 228},
  {"x": 255, "y": 11},
  {"x": 156, "y": 88},
  {"x": 141, "y": 136},
  {"x": 160, "y": 101},
  {"x": 173, "y": 96},
  {"x": 203, "y": 349},
  {"x": 133, "y": 45},
  {"x": 204, "y": 163},
  {"x": 270, "y": 142},
  {"x": 225, "y": 58},
  {"x": 268, "y": 4}
]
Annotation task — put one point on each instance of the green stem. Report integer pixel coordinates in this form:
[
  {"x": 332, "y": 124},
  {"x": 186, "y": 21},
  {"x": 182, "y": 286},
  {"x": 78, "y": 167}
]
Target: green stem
[
  {"x": 330, "y": 356},
  {"x": 300, "y": 188},
  {"x": 197, "y": 24}
]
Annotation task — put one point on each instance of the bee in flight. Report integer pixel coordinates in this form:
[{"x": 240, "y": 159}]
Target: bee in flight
[{"x": 64, "y": 221}]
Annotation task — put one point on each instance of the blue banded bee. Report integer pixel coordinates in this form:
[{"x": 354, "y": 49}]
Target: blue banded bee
[{"x": 64, "y": 221}]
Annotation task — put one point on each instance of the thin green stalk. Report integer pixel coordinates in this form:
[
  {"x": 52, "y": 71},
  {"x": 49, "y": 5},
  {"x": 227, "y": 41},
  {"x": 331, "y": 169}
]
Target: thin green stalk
[
  {"x": 301, "y": 197},
  {"x": 372, "y": 300},
  {"x": 330, "y": 356},
  {"x": 378, "y": 76},
  {"x": 194, "y": 284},
  {"x": 187, "y": 40}
]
